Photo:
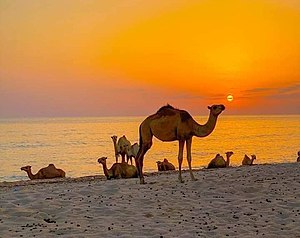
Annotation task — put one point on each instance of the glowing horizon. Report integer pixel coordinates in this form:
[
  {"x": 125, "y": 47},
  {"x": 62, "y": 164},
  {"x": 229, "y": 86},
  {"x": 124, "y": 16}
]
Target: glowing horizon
[{"x": 62, "y": 58}]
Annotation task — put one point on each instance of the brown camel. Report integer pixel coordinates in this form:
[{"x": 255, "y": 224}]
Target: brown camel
[
  {"x": 165, "y": 165},
  {"x": 132, "y": 152},
  {"x": 121, "y": 147},
  {"x": 219, "y": 161},
  {"x": 45, "y": 173},
  {"x": 118, "y": 170},
  {"x": 170, "y": 124},
  {"x": 248, "y": 161}
]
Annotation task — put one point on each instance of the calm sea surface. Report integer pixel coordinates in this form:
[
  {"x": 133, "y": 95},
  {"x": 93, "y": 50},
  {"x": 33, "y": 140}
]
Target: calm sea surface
[{"x": 74, "y": 144}]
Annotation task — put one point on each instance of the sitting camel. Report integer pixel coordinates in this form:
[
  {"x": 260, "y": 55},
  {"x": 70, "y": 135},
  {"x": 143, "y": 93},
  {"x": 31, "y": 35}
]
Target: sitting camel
[
  {"x": 118, "y": 170},
  {"x": 247, "y": 160},
  {"x": 121, "y": 147},
  {"x": 219, "y": 161},
  {"x": 45, "y": 173},
  {"x": 298, "y": 159},
  {"x": 165, "y": 165}
]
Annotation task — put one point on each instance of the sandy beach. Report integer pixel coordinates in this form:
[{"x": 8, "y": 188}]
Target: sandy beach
[{"x": 260, "y": 201}]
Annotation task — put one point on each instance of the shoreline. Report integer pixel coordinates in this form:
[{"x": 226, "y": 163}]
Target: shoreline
[
  {"x": 102, "y": 177},
  {"x": 245, "y": 201}
]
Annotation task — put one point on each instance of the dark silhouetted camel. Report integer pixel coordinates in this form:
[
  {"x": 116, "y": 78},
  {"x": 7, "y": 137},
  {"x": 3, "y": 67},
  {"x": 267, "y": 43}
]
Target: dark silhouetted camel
[
  {"x": 165, "y": 165},
  {"x": 248, "y": 161}
]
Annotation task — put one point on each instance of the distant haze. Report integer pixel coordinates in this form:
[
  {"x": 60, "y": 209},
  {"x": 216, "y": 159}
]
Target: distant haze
[{"x": 128, "y": 58}]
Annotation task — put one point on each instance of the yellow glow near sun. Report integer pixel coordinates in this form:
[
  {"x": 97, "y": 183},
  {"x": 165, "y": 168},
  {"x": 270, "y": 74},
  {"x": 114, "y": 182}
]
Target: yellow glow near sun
[{"x": 229, "y": 98}]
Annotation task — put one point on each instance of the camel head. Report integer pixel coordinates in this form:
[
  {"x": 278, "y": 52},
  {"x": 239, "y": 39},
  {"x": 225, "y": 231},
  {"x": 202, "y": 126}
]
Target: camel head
[
  {"x": 253, "y": 157},
  {"x": 229, "y": 153},
  {"x": 114, "y": 138},
  {"x": 216, "y": 109},
  {"x": 26, "y": 168},
  {"x": 102, "y": 160},
  {"x": 159, "y": 165}
]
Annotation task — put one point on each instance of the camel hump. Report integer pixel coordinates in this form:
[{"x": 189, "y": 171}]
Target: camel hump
[
  {"x": 163, "y": 108},
  {"x": 51, "y": 165}
]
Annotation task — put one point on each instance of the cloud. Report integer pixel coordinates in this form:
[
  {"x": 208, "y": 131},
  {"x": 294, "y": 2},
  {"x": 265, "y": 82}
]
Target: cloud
[
  {"x": 291, "y": 89},
  {"x": 295, "y": 88}
]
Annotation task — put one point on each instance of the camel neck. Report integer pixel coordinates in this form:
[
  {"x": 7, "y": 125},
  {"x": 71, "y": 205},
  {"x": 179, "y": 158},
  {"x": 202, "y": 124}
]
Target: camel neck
[
  {"x": 227, "y": 161},
  {"x": 30, "y": 175},
  {"x": 207, "y": 128},
  {"x": 115, "y": 145},
  {"x": 105, "y": 170}
]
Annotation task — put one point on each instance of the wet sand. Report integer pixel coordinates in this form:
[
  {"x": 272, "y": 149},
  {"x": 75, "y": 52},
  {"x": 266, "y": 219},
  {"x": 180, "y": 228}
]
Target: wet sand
[{"x": 246, "y": 201}]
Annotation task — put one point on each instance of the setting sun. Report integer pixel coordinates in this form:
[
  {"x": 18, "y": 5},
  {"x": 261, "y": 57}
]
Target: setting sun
[{"x": 229, "y": 98}]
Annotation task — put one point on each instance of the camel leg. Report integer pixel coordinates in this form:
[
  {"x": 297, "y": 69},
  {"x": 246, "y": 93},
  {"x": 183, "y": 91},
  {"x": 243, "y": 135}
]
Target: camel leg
[
  {"x": 129, "y": 158},
  {"x": 123, "y": 158},
  {"x": 180, "y": 158},
  {"x": 189, "y": 157},
  {"x": 140, "y": 159}
]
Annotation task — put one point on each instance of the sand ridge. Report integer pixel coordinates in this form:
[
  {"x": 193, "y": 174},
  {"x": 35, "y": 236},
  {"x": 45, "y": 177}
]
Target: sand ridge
[{"x": 261, "y": 201}]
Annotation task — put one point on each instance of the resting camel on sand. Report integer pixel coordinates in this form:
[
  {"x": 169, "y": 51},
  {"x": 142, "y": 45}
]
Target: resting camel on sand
[
  {"x": 219, "y": 161},
  {"x": 170, "y": 124},
  {"x": 165, "y": 165},
  {"x": 247, "y": 160},
  {"x": 121, "y": 148},
  {"x": 45, "y": 173},
  {"x": 118, "y": 170}
]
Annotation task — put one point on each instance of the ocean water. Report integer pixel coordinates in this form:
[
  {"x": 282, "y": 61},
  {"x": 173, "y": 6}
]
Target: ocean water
[{"x": 74, "y": 144}]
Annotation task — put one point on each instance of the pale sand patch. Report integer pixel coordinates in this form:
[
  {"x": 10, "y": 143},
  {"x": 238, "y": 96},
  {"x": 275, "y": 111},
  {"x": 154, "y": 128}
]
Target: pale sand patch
[{"x": 260, "y": 201}]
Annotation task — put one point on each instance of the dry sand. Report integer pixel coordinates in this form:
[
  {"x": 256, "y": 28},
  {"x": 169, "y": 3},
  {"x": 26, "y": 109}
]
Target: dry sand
[{"x": 260, "y": 201}]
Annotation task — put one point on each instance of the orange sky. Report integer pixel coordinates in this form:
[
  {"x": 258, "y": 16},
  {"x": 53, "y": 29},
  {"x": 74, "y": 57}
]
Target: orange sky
[{"x": 102, "y": 58}]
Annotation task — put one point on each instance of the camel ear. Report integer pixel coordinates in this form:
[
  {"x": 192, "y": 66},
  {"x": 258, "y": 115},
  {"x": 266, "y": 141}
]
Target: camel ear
[{"x": 209, "y": 107}]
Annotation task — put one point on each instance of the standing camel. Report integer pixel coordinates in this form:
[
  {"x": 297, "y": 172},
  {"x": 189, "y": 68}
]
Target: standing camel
[
  {"x": 170, "y": 124},
  {"x": 121, "y": 148}
]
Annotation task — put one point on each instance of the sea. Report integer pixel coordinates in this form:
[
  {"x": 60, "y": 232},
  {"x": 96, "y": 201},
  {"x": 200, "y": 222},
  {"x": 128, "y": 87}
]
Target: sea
[{"x": 75, "y": 144}]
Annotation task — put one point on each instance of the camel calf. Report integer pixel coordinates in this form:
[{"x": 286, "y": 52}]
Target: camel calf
[{"x": 45, "y": 173}]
